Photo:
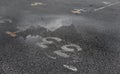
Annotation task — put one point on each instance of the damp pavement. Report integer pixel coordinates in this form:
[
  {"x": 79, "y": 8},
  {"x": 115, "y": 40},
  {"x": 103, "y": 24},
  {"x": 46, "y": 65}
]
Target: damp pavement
[{"x": 47, "y": 37}]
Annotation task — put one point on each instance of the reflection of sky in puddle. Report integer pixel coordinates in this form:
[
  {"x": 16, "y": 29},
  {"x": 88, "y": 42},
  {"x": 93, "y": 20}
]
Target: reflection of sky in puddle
[
  {"x": 49, "y": 22},
  {"x": 32, "y": 39},
  {"x": 98, "y": 30}
]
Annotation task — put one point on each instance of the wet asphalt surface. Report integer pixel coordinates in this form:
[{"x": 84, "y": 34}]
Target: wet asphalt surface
[{"x": 96, "y": 32}]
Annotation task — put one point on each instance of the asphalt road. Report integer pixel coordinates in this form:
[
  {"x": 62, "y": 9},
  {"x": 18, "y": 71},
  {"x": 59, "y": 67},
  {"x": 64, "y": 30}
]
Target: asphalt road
[{"x": 48, "y": 38}]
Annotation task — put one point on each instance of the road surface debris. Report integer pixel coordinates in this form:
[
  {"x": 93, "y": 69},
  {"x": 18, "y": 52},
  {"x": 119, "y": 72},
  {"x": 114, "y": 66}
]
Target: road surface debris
[
  {"x": 37, "y": 4},
  {"x": 76, "y": 11},
  {"x": 12, "y": 34}
]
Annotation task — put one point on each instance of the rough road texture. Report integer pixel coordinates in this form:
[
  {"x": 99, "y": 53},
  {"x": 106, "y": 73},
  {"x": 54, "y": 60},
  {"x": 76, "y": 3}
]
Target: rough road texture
[{"x": 31, "y": 37}]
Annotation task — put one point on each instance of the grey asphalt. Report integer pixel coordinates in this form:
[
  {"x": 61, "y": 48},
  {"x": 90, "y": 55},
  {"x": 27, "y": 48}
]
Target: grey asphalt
[{"x": 96, "y": 32}]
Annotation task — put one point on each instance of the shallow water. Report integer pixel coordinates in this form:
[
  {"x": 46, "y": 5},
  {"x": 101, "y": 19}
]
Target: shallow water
[{"x": 43, "y": 30}]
